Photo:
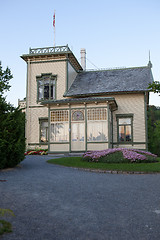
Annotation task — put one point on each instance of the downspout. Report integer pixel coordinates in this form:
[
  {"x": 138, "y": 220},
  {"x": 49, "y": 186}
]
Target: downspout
[
  {"x": 112, "y": 126},
  {"x": 86, "y": 143},
  {"x": 109, "y": 140},
  {"x": 70, "y": 129},
  {"x": 49, "y": 128},
  {"x": 27, "y": 104},
  {"x": 146, "y": 125}
]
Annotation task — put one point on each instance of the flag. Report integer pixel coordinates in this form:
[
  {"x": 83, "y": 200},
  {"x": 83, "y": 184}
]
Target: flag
[{"x": 54, "y": 20}]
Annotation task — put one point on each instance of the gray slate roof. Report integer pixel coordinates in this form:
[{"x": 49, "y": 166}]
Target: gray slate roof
[{"x": 111, "y": 81}]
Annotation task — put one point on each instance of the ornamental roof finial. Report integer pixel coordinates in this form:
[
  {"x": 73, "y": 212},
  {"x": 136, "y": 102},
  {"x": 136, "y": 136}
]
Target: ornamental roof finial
[{"x": 149, "y": 63}]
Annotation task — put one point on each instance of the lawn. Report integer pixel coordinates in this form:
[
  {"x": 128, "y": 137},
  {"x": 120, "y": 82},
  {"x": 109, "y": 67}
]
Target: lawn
[{"x": 128, "y": 167}]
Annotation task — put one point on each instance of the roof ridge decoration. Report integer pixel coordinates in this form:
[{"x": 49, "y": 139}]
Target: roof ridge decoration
[
  {"x": 56, "y": 49},
  {"x": 150, "y": 63},
  {"x": 115, "y": 68},
  {"x": 52, "y": 53}
]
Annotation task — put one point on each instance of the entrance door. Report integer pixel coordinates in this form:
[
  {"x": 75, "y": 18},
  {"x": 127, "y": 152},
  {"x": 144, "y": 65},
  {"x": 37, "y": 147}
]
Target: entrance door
[{"x": 78, "y": 136}]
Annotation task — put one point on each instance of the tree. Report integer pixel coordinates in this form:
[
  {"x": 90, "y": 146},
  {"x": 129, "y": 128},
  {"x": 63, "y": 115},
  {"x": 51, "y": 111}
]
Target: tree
[
  {"x": 154, "y": 123},
  {"x": 12, "y": 126},
  {"x": 156, "y": 147},
  {"x": 154, "y": 130},
  {"x": 155, "y": 87},
  {"x": 5, "y": 77}
]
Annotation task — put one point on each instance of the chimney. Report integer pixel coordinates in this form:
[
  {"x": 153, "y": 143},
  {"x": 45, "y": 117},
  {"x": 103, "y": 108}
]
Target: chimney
[{"x": 83, "y": 58}]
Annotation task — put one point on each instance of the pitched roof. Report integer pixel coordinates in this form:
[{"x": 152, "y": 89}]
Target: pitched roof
[{"x": 111, "y": 81}]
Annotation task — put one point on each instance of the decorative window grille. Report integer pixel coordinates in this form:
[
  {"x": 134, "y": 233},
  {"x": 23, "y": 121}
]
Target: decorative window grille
[
  {"x": 78, "y": 115},
  {"x": 97, "y": 114},
  {"x": 60, "y": 116}
]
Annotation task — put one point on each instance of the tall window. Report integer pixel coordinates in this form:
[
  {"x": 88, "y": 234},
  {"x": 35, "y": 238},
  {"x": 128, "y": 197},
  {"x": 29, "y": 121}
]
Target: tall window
[
  {"x": 43, "y": 130},
  {"x": 46, "y": 87},
  {"x": 97, "y": 125},
  {"x": 59, "y": 126},
  {"x": 125, "y": 129}
]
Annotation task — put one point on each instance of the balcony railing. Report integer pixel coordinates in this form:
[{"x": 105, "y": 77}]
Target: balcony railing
[{"x": 57, "y": 49}]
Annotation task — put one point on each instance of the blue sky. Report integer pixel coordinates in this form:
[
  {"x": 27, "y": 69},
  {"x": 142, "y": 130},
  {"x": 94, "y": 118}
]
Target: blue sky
[{"x": 115, "y": 34}]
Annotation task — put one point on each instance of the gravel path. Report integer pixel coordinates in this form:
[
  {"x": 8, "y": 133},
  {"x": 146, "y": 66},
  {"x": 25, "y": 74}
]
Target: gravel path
[{"x": 58, "y": 203}]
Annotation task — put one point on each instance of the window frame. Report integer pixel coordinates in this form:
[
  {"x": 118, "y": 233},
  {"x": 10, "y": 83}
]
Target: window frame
[
  {"x": 120, "y": 116},
  {"x": 97, "y": 116},
  {"x": 57, "y": 119},
  {"x": 42, "y": 78},
  {"x": 41, "y": 120}
]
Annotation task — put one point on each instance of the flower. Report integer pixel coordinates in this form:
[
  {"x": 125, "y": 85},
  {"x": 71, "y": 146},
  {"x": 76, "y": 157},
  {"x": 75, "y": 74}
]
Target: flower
[
  {"x": 38, "y": 152},
  {"x": 132, "y": 155}
]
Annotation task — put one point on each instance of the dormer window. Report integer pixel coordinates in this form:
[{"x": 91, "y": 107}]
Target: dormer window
[{"x": 46, "y": 84}]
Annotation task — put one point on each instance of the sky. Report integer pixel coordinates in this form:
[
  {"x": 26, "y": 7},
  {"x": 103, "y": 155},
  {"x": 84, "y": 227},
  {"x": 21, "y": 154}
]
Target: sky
[{"x": 115, "y": 33}]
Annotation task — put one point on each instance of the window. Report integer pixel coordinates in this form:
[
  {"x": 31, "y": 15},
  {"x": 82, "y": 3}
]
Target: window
[
  {"x": 59, "y": 126},
  {"x": 46, "y": 87},
  {"x": 59, "y": 116},
  {"x": 97, "y": 114},
  {"x": 97, "y": 125},
  {"x": 125, "y": 128},
  {"x": 78, "y": 115},
  {"x": 43, "y": 131}
]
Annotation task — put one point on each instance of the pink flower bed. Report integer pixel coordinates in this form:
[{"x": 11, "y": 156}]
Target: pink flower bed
[{"x": 131, "y": 154}]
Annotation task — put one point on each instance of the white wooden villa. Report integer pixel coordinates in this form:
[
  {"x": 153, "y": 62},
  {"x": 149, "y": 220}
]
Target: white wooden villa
[{"x": 69, "y": 109}]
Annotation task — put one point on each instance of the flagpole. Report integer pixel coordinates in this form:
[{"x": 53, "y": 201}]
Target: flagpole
[
  {"x": 54, "y": 36},
  {"x": 54, "y": 28}
]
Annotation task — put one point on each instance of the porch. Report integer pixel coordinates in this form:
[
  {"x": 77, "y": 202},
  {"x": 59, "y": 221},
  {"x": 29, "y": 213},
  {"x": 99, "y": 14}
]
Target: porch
[{"x": 80, "y": 124}]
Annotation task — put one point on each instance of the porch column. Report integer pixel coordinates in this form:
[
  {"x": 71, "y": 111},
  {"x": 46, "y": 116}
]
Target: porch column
[{"x": 109, "y": 130}]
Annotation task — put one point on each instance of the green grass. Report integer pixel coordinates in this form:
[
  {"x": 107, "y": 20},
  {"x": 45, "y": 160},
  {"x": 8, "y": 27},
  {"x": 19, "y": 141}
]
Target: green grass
[{"x": 129, "y": 167}]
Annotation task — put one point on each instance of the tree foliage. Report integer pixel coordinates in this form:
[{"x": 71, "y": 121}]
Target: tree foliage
[
  {"x": 154, "y": 129},
  {"x": 155, "y": 87},
  {"x": 12, "y": 127}
]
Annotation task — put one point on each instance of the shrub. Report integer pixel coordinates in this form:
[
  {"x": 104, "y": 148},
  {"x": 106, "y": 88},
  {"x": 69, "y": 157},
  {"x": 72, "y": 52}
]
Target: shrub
[
  {"x": 12, "y": 126},
  {"x": 12, "y": 138},
  {"x": 119, "y": 155}
]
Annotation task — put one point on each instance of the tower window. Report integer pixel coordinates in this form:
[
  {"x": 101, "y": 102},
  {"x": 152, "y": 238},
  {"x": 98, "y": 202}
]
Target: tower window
[{"x": 46, "y": 87}]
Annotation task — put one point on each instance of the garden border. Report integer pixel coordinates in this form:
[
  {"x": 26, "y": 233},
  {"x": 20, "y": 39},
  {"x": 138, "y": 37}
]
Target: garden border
[{"x": 111, "y": 171}]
